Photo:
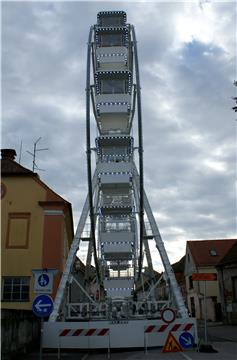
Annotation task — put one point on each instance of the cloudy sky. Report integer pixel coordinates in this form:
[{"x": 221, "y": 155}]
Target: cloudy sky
[{"x": 187, "y": 55}]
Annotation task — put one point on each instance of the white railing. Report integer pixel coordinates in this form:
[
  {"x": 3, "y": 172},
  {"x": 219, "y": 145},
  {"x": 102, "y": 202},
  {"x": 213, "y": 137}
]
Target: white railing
[{"x": 116, "y": 309}]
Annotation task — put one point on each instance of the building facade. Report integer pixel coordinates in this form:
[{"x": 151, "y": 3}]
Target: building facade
[
  {"x": 202, "y": 256},
  {"x": 37, "y": 230},
  {"x": 227, "y": 274}
]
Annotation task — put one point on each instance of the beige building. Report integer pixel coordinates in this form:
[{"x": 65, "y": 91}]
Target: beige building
[
  {"x": 202, "y": 256},
  {"x": 227, "y": 274},
  {"x": 36, "y": 233}
]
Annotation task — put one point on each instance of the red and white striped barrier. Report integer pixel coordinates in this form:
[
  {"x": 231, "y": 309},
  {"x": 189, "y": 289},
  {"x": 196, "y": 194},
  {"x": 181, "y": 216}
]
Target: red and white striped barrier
[
  {"x": 169, "y": 327},
  {"x": 63, "y": 333},
  {"x": 84, "y": 332}
]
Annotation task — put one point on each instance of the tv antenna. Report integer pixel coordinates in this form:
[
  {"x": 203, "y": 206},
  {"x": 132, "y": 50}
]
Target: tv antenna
[
  {"x": 20, "y": 153},
  {"x": 34, "y": 154}
]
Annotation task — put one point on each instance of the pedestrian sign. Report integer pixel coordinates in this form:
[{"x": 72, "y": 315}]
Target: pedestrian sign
[
  {"x": 42, "y": 305},
  {"x": 186, "y": 340},
  {"x": 171, "y": 344},
  {"x": 44, "y": 280}
]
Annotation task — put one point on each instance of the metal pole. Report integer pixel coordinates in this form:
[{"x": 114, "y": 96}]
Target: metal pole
[
  {"x": 140, "y": 151},
  {"x": 146, "y": 341},
  {"x": 34, "y": 157},
  {"x": 41, "y": 337},
  {"x": 88, "y": 151},
  {"x": 59, "y": 345},
  {"x": 205, "y": 312},
  {"x": 109, "y": 345}
]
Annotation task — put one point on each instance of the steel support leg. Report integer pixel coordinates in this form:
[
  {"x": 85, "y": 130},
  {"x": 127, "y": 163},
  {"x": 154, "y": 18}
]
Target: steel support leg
[
  {"x": 58, "y": 301},
  {"x": 182, "y": 310}
]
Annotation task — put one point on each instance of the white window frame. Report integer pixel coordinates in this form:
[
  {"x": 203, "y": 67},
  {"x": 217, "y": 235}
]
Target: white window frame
[{"x": 17, "y": 285}]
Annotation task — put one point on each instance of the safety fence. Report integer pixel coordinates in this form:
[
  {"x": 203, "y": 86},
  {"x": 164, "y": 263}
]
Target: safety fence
[
  {"x": 165, "y": 329},
  {"x": 63, "y": 333}
]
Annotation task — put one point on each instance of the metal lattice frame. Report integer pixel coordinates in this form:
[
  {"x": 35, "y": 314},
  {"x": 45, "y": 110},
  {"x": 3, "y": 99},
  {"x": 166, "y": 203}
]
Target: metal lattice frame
[{"x": 117, "y": 186}]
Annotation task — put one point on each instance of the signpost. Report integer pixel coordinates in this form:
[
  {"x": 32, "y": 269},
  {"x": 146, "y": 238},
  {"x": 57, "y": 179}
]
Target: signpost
[
  {"x": 42, "y": 306},
  {"x": 171, "y": 344},
  {"x": 204, "y": 277},
  {"x": 168, "y": 315},
  {"x": 44, "y": 280},
  {"x": 186, "y": 340}
]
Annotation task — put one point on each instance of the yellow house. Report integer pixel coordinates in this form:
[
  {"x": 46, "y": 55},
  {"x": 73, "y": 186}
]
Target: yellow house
[{"x": 37, "y": 230}]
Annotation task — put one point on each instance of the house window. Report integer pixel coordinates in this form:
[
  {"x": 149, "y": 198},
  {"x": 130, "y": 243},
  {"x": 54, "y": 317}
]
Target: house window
[
  {"x": 213, "y": 252},
  {"x": 192, "y": 305},
  {"x": 190, "y": 279},
  {"x": 234, "y": 284},
  {"x": 18, "y": 229},
  {"x": 15, "y": 289}
]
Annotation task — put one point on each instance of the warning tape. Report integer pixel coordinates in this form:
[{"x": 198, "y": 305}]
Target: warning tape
[
  {"x": 84, "y": 332},
  {"x": 162, "y": 328}
]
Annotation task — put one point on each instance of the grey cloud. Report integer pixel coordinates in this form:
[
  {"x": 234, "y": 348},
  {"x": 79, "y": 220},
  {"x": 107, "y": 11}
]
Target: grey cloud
[{"x": 188, "y": 123}]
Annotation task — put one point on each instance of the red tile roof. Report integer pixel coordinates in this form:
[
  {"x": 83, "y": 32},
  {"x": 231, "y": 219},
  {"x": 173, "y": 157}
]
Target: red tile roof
[
  {"x": 201, "y": 250},
  {"x": 10, "y": 167},
  {"x": 230, "y": 257},
  {"x": 178, "y": 267}
]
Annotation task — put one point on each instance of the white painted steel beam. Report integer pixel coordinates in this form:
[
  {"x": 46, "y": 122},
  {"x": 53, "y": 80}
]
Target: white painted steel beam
[
  {"x": 60, "y": 296},
  {"x": 182, "y": 310}
]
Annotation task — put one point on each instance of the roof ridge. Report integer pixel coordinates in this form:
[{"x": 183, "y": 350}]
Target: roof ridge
[
  {"x": 202, "y": 250},
  {"x": 14, "y": 168},
  {"x": 202, "y": 240},
  {"x": 12, "y": 165}
]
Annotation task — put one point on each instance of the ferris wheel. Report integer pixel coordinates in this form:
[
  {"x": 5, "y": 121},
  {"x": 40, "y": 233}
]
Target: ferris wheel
[{"x": 116, "y": 223}]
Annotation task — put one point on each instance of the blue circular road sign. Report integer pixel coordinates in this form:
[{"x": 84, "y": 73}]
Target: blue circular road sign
[
  {"x": 186, "y": 340},
  {"x": 42, "y": 305},
  {"x": 43, "y": 280}
]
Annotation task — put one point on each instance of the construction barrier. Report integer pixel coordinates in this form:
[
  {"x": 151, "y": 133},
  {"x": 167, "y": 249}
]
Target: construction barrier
[
  {"x": 83, "y": 332},
  {"x": 165, "y": 329}
]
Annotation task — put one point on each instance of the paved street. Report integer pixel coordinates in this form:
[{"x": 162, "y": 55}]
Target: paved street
[
  {"x": 226, "y": 351},
  {"x": 222, "y": 338},
  {"x": 77, "y": 355},
  {"x": 218, "y": 332}
]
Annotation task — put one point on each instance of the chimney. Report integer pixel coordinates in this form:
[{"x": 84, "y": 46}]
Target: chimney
[{"x": 8, "y": 154}]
